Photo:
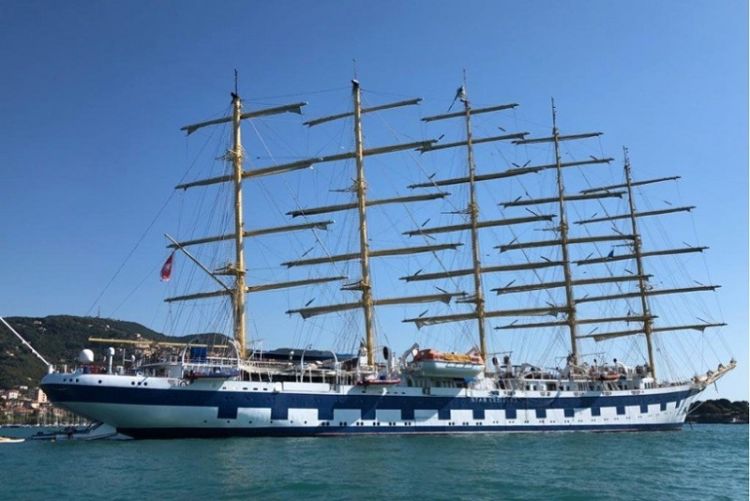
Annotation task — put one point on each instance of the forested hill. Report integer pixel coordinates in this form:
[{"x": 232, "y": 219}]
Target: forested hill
[
  {"x": 719, "y": 411},
  {"x": 59, "y": 338}
]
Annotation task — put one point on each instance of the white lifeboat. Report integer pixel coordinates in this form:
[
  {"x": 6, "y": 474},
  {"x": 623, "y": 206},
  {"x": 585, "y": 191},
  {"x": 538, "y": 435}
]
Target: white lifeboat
[{"x": 433, "y": 363}]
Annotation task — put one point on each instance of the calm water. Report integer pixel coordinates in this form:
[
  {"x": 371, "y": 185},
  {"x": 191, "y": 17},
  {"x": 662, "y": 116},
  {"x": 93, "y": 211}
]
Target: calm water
[{"x": 703, "y": 462}]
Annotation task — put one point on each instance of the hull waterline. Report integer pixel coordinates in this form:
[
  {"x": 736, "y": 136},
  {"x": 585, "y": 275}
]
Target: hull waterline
[{"x": 154, "y": 407}]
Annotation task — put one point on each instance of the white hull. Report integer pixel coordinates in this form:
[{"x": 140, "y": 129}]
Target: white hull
[{"x": 152, "y": 407}]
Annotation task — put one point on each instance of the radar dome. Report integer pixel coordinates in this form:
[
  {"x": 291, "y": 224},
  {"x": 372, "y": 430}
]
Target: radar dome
[{"x": 86, "y": 356}]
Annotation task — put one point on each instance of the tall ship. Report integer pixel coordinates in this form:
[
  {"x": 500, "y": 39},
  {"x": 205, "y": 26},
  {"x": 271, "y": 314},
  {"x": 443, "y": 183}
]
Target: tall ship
[{"x": 504, "y": 302}]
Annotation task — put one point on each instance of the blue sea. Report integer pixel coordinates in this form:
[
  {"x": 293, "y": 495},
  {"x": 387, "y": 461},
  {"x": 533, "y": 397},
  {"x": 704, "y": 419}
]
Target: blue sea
[{"x": 701, "y": 462}]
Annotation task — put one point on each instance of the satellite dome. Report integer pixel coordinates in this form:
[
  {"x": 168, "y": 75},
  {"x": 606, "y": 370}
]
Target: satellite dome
[{"x": 86, "y": 356}]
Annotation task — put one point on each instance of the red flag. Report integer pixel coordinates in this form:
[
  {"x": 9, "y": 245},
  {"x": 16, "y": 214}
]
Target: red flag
[{"x": 166, "y": 270}]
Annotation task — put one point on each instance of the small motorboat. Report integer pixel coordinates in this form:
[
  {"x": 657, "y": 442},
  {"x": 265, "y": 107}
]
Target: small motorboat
[
  {"x": 11, "y": 440},
  {"x": 95, "y": 431}
]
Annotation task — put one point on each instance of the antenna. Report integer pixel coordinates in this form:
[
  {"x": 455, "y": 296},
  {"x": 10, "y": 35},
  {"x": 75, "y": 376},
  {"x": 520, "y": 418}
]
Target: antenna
[
  {"x": 554, "y": 114},
  {"x": 236, "y": 79}
]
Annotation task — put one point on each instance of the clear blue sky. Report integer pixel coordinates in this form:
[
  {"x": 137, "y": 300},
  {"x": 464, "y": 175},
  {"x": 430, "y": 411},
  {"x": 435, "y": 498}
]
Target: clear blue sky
[{"x": 92, "y": 95}]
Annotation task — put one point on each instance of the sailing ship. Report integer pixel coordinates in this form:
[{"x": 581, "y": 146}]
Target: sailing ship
[{"x": 234, "y": 391}]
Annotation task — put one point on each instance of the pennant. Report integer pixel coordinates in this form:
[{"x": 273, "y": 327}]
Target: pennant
[{"x": 166, "y": 270}]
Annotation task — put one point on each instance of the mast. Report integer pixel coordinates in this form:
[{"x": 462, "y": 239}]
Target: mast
[
  {"x": 570, "y": 300},
  {"x": 238, "y": 297},
  {"x": 474, "y": 221},
  {"x": 642, "y": 280},
  {"x": 364, "y": 258},
  {"x": 367, "y": 302}
]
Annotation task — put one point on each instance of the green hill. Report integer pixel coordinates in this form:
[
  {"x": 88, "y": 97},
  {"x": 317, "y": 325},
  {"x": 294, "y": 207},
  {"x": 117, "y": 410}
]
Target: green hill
[
  {"x": 59, "y": 338},
  {"x": 718, "y": 411}
]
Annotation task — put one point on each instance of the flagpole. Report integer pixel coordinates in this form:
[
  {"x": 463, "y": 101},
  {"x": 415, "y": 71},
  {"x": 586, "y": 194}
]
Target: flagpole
[{"x": 195, "y": 260}]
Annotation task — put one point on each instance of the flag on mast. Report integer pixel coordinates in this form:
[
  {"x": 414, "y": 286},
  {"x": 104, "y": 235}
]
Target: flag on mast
[{"x": 166, "y": 270}]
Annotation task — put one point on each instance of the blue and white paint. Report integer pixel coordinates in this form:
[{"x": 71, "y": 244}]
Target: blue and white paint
[{"x": 151, "y": 407}]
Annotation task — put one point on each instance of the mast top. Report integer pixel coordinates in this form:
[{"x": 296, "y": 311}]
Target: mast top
[{"x": 554, "y": 116}]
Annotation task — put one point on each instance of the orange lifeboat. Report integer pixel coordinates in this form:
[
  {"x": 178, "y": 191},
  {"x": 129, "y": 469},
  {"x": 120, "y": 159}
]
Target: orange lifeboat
[{"x": 434, "y": 363}]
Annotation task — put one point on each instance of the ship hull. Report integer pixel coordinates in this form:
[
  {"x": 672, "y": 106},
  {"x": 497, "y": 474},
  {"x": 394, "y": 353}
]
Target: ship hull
[{"x": 160, "y": 408}]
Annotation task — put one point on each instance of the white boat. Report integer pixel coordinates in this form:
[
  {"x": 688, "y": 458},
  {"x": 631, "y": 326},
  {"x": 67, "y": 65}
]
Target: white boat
[
  {"x": 432, "y": 363},
  {"x": 11, "y": 440},
  {"x": 95, "y": 431},
  {"x": 230, "y": 392}
]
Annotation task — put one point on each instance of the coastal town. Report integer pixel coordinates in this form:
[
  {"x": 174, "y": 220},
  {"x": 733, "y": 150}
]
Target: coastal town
[{"x": 28, "y": 406}]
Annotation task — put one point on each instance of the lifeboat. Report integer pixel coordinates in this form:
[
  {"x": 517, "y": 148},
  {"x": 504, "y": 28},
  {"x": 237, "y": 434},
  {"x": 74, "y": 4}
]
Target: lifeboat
[
  {"x": 378, "y": 381},
  {"x": 434, "y": 363},
  {"x": 215, "y": 373},
  {"x": 608, "y": 376}
]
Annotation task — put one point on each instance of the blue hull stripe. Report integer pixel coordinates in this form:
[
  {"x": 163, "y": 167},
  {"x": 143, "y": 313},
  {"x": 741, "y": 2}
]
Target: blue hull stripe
[
  {"x": 228, "y": 402},
  {"x": 141, "y": 433}
]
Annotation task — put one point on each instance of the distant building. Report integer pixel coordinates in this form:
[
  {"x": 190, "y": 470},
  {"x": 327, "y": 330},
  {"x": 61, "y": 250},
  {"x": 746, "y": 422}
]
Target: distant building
[
  {"x": 40, "y": 397},
  {"x": 11, "y": 394}
]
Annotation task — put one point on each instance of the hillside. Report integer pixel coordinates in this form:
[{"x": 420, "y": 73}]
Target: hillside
[
  {"x": 59, "y": 338},
  {"x": 718, "y": 411}
]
